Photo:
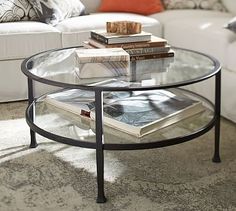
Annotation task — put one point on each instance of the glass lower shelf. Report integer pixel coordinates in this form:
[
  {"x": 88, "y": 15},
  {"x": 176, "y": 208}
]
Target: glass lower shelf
[{"x": 65, "y": 124}]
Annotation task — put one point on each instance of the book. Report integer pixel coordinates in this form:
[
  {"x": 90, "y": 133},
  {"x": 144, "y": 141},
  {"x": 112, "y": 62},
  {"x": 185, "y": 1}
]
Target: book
[
  {"x": 102, "y": 70},
  {"x": 145, "y": 112},
  {"x": 154, "y": 42},
  {"x": 137, "y": 113},
  {"x": 150, "y": 50},
  {"x": 79, "y": 102},
  {"x": 160, "y": 55},
  {"x": 100, "y": 55},
  {"x": 134, "y": 51},
  {"x": 113, "y": 38},
  {"x": 149, "y": 66}
]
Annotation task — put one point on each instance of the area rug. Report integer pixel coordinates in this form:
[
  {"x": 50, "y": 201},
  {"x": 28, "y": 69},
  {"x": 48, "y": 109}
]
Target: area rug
[{"x": 59, "y": 177}]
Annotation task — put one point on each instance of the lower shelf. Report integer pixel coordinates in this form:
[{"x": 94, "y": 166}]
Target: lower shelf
[{"x": 58, "y": 125}]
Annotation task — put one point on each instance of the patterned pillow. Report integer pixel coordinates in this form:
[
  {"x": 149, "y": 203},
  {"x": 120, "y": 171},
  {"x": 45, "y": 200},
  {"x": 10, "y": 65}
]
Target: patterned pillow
[
  {"x": 194, "y": 4},
  {"x": 231, "y": 25},
  {"x": 54, "y": 11},
  {"x": 16, "y": 10}
]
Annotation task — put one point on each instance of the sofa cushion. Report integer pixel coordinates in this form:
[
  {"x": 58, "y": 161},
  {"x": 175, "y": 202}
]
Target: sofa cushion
[
  {"x": 194, "y": 4},
  {"x": 54, "y": 11},
  {"x": 144, "y": 7},
  {"x": 205, "y": 33},
  {"x": 230, "y": 5},
  {"x": 75, "y": 30},
  {"x": 22, "y": 39},
  {"x": 16, "y": 10}
]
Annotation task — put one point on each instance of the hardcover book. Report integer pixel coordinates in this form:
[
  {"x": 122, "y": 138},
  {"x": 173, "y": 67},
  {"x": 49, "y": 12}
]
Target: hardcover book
[
  {"x": 145, "y": 112},
  {"x": 113, "y": 38},
  {"x": 136, "y": 112},
  {"x": 151, "y": 50},
  {"x": 160, "y": 55},
  {"x": 137, "y": 51},
  {"x": 154, "y": 42},
  {"x": 100, "y": 55}
]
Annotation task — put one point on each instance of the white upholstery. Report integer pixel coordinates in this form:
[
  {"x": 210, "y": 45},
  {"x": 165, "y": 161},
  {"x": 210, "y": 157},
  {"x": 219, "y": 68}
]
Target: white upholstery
[
  {"x": 75, "y": 30},
  {"x": 169, "y": 15},
  {"x": 22, "y": 39},
  {"x": 231, "y": 57},
  {"x": 205, "y": 34},
  {"x": 206, "y": 88},
  {"x": 230, "y": 5},
  {"x": 14, "y": 85}
]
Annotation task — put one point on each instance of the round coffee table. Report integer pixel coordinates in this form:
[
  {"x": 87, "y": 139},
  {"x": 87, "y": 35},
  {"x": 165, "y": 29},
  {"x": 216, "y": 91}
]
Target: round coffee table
[{"x": 57, "y": 68}]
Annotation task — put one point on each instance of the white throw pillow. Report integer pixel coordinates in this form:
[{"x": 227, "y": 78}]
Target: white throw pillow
[{"x": 16, "y": 10}]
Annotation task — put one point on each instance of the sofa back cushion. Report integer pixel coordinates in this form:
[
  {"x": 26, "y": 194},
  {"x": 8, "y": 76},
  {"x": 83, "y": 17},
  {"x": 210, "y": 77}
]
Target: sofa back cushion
[
  {"x": 16, "y": 10},
  {"x": 230, "y": 5},
  {"x": 194, "y": 4},
  {"x": 91, "y": 5}
]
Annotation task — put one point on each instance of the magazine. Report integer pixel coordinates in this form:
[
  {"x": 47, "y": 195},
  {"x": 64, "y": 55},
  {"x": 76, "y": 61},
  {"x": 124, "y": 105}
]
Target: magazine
[{"x": 134, "y": 112}]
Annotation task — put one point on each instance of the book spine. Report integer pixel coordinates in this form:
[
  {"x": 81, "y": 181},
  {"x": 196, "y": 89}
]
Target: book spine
[
  {"x": 125, "y": 46},
  {"x": 151, "y": 56},
  {"x": 101, "y": 59},
  {"x": 151, "y": 50},
  {"x": 141, "y": 45},
  {"x": 98, "y": 37}
]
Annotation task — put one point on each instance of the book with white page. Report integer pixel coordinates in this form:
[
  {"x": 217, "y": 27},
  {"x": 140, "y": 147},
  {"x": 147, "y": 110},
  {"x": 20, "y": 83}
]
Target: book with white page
[{"x": 136, "y": 112}]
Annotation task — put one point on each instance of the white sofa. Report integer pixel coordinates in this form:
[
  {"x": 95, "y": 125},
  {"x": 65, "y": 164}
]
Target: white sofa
[{"x": 199, "y": 30}]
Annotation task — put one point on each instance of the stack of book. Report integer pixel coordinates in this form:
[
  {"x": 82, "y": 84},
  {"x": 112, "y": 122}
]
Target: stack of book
[
  {"x": 141, "y": 46},
  {"x": 137, "y": 113}
]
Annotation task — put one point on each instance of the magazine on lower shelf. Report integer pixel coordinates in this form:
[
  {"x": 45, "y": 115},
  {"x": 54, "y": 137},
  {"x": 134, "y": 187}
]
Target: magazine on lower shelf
[{"x": 134, "y": 112}]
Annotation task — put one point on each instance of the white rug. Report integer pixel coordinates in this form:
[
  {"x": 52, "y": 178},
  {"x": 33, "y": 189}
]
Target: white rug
[{"x": 59, "y": 177}]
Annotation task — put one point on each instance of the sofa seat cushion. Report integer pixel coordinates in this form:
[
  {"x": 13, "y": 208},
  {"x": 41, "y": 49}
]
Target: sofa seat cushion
[
  {"x": 75, "y": 30},
  {"x": 204, "y": 33},
  {"x": 22, "y": 39}
]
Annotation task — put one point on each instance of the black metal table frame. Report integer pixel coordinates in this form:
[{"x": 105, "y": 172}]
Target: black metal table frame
[{"x": 100, "y": 146}]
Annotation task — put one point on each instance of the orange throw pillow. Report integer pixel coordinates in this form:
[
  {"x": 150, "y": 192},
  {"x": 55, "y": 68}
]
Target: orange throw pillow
[{"x": 144, "y": 7}]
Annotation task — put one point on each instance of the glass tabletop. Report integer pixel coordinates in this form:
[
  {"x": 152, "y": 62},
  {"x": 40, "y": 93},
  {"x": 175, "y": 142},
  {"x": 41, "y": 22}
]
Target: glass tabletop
[{"x": 60, "y": 68}]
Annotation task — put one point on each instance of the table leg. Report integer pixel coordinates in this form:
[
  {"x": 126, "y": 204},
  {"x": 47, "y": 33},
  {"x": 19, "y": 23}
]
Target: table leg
[
  {"x": 216, "y": 157},
  {"x": 33, "y": 142},
  {"x": 99, "y": 148}
]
